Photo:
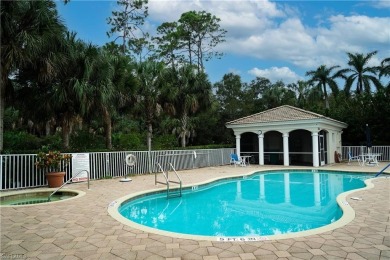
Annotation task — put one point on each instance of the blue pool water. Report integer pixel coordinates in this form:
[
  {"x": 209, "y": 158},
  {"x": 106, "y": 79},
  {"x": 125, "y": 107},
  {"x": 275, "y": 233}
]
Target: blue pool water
[{"x": 257, "y": 205}]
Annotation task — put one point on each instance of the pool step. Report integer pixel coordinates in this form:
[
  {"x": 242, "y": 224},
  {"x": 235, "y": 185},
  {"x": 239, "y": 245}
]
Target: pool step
[{"x": 174, "y": 193}]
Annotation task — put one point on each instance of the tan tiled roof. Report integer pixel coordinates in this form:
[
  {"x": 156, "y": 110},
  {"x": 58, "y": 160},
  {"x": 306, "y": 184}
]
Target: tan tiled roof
[{"x": 282, "y": 113}]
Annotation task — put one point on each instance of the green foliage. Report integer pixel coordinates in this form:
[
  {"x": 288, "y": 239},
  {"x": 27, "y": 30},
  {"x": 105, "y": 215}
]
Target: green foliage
[
  {"x": 129, "y": 141},
  {"x": 85, "y": 141},
  {"x": 210, "y": 146},
  {"x": 11, "y": 116},
  {"x": 70, "y": 82},
  {"x": 52, "y": 160},
  {"x": 52, "y": 142},
  {"x": 127, "y": 21},
  {"x": 20, "y": 141},
  {"x": 164, "y": 142},
  {"x": 192, "y": 39}
]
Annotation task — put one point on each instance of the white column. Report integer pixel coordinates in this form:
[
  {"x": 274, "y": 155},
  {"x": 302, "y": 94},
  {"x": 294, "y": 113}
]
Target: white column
[
  {"x": 287, "y": 187},
  {"x": 316, "y": 162},
  {"x": 261, "y": 149},
  {"x": 238, "y": 144},
  {"x": 317, "y": 191},
  {"x": 285, "y": 150}
]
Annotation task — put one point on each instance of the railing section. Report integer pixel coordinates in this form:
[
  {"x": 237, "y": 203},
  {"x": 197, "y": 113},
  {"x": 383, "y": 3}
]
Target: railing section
[
  {"x": 19, "y": 171},
  {"x": 384, "y": 152}
]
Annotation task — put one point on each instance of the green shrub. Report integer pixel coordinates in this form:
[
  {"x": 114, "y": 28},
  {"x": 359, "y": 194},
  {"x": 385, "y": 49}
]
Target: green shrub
[
  {"x": 163, "y": 142},
  {"x": 15, "y": 141},
  {"x": 132, "y": 141},
  {"x": 84, "y": 141},
  {"x": 52, "y": 142}
]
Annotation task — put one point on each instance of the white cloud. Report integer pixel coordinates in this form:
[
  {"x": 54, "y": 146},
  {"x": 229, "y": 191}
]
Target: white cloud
[
  {"x": 381, "y": 4},
  {"x": 274, "y": 74},
  {"x": 276, "y": 31},
  {"x": 357, "y": 31},
  {"x": 237, "y": 17},
  {"x": 309, "y": 48}
]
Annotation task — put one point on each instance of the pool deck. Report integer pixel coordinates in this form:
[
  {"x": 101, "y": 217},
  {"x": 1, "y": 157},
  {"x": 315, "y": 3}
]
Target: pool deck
[{"x": 81, "y": 228}]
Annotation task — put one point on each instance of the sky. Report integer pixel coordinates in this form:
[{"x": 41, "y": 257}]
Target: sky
[{"x": 278, "y": 40}]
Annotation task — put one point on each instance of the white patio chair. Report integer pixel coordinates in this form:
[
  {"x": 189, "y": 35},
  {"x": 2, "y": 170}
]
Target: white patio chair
[
  {"x": 353, "y": 159},
  {"x": 234, "y": 159}
]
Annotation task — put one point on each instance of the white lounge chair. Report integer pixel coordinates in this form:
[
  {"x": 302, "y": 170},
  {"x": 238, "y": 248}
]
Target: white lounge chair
[{"x": 353, "y": 159}]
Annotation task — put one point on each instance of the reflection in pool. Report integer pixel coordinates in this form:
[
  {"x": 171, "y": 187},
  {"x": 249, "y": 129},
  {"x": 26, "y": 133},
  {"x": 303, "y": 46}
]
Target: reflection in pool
[{"x": 257, "y": 205}]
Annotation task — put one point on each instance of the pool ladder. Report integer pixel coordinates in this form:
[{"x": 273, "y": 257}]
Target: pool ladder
[{"x": 171, "y": 193}]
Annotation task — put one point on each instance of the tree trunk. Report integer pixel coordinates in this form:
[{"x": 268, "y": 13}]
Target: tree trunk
[
  {"x": 47, "y": 127},
  {"x": 2, "y": 108},
  {"x": 65, "y": 133},
  {"x": 183, "y": 134},
  {"x": 326, "y": 97},
  {"x": 107, "y": 128},
  {"x": 359, "y": 88},
  {"x": 149, "y": 136}
]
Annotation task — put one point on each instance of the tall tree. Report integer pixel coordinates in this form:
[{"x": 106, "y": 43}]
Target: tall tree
[
  {"x": 128, "y": 22},
  {"x": 277, "y": 94},
  {"x": 26, "y": 27},
  {"x": 68, "y": 91},
  {"x": 324, "y": 77},
  {"x": 188, "y": 93},
  {"x": 200, "y": 33},
  {"x": 150, "y": 77},
  {"x": 104, "y": 82},
  {"x": 384, "y": 70},
  {"x": 169, "y": 45},
  {"x": 229, "y": 93},
  {"x": 361, "y": 73},
  {"x": 253, "y": 93},
  {"x": 301, "y": 89}
]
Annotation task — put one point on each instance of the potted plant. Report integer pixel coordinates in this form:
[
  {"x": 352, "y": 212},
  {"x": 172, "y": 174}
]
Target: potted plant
[{"x": 52, "y": 162}]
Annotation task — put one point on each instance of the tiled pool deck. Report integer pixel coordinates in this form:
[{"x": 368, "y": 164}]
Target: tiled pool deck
[{"x": 82, "y": 228}]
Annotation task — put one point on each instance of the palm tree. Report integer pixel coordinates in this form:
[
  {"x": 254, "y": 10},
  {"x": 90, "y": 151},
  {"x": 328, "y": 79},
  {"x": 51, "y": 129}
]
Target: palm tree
[
  {"x": 65, "y": 97},
  {"x": 323, "y": 77},
  {"x": 108, "y": 77},
  {"x": 149, "y": 77},
  {"x": 26, "y": 27},
  {"x": 361, "y": 73},
  {"x": 189, "y": 91},
  {"x": 301, "y": 89},
  {"x": 384, "y": 69},
  {"x": 99, "y": 95}
]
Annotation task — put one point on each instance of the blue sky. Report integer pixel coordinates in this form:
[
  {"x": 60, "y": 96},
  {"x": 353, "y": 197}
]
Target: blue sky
[{"x": 279, "y": 40}]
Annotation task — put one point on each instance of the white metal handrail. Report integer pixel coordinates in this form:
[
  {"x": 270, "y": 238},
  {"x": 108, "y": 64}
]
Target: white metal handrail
[
  {"x": 178, "y": 177},
  {"x": 69, "y": 181},
  {"x": 167, "y": 180},
  {"x": 165, "y": 176}
]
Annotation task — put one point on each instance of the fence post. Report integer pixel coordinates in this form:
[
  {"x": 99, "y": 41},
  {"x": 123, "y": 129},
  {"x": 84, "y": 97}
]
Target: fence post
[
  {"x": 107, "y": 163},
  {"x": 1, "y": 171}
]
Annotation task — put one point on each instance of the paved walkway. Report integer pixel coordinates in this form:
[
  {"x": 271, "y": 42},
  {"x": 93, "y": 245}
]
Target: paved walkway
[{"x": 82, "y": 229}]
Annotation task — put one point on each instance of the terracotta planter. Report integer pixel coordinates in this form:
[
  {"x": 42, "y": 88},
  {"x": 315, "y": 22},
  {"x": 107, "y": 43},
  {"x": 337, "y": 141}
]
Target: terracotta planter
[{"x": 55, "y": 179}]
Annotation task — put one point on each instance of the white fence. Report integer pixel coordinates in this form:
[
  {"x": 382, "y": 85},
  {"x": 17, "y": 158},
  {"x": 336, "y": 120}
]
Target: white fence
[
  {"x": 19, "y": 171},
  {"x": 384, "y": 151}
]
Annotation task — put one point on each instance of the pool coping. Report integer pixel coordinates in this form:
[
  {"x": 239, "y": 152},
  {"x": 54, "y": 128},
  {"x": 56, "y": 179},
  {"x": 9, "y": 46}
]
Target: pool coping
[{"x": 347, "y": 216}]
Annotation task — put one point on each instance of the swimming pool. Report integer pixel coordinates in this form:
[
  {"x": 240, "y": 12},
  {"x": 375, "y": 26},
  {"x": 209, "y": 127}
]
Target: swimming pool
[{"x": 261, "y": 204}]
